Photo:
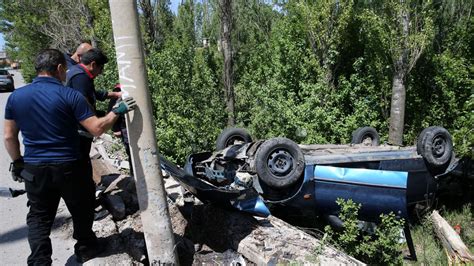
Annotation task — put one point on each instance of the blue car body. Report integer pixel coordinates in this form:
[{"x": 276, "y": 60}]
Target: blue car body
[
  {"x": 378, "y": 191},
  {"x": 382, "y": 180}
]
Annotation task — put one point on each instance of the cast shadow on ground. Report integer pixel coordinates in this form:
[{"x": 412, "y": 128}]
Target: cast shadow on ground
[
  {"x": 114, "y": 244},
  {"x": 217, "y": 228},
  {"x": 22, "y": 232}
]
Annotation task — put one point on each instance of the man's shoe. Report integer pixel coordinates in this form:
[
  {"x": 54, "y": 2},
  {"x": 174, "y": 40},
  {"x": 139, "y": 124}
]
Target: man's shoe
[{"x": 86, "y": 253}]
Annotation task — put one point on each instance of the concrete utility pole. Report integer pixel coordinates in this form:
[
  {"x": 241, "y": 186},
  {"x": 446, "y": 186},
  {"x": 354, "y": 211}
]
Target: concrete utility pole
[{"x": 141, "y": 128}]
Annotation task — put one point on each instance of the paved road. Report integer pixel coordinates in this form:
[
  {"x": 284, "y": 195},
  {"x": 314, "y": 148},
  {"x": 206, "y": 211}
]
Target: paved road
[{"x": 14, "y": 248}]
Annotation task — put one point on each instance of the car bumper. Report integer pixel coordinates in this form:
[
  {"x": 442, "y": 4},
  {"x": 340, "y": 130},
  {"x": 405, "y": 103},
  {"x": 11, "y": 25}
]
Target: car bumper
[{"x": 6, "y": 87}]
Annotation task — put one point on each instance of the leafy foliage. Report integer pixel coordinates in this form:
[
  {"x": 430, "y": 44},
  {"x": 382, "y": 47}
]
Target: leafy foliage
[
  {"x": 381, "y": 247},
  {"x": 312, "y": 71},
  {"x": 185, "y": 99},
  {"x": 21, "y": 23}
]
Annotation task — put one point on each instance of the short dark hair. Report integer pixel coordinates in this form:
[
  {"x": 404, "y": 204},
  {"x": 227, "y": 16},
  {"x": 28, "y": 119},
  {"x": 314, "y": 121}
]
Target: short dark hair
[
  {"x": 94, "y": 54},
  {"x": 48, "y": 60}
]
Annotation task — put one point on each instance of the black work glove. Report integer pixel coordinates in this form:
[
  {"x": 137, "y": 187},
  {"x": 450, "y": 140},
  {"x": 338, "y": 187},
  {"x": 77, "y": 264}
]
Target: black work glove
[
  {"x": 124, "y": 106},
  {"x": 17, "y": 192},
  {"x": 15, "y": 168}
]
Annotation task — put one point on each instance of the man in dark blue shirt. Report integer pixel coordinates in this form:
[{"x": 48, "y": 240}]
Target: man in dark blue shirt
[
  {"x": 47, "y": 114},
  {"x": 81, "y": 78}
]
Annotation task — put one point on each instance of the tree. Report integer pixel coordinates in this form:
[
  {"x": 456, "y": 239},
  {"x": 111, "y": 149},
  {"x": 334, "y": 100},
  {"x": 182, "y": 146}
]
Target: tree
[
  {"x": 68, "y": 24},
  {"x": 21, "y": 23},
  {"x": 409, "y": 28},
  {"x": 312, "y": 71},
  {"x": 326, "y": 22},
  {"x": 150, "y": 21},
  {"x": 225, "y": 8},
  {"x": 158, "y": 20},
  {"x": 441, "y": 83},
  {"x": 27, "y": 29}
]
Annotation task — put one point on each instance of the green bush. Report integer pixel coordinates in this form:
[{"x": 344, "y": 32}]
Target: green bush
[{"x": 381, "y": 247}]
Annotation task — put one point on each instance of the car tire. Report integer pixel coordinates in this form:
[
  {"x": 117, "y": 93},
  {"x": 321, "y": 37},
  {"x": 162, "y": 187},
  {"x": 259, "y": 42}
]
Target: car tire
[
  {"x": 435, "y": 145},
  {"x": 279, "y": 163},
  {"x": 231, "y": 136},
  {"x": 366, "y": 135}
]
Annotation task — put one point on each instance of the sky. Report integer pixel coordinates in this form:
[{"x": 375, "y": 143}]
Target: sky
[{"x": 174, "y": 5}]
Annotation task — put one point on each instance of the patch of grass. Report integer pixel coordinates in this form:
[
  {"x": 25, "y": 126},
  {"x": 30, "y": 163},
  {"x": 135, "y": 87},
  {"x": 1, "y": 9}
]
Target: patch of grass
[
  {"x": 428, "y": 250},
  {"x": 428, "y": 247},
  {"x": 464, "y": 220}
]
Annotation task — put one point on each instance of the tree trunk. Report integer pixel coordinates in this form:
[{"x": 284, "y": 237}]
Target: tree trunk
[
  {"x": 160, "y": 26},
  {"x": 401, "y": 68},
  {"x": 456, "y": 250},
  {"x": 149, "y": 17},
  {"x": 397, "y": 110},
  {"x": 89, "y": 17},
  {"x": 330, "y": 76},
  {"x": 226, "y": 29}
]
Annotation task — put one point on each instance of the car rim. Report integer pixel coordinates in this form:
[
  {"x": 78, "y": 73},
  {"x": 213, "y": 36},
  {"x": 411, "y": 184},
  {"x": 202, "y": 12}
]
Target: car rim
[
  {"x": 233, "y": 140},
  {"x": 439, "y": 144},
  {"x": 367, "y": 140},
  {"x": 280, "y": 162}
]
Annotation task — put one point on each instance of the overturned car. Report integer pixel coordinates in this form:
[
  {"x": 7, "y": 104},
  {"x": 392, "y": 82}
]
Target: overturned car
[
  {"x": 258, "y": 176},
  {"x": 310, "y": 178}
]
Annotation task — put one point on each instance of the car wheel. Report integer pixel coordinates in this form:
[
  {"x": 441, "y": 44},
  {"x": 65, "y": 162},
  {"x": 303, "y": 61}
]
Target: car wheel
[
  {"x": 279, "y": 163},
  {"x": 435, "y": 145},
  {"x": 231, "y": 136},
  {"x": 366, "y": 135}
]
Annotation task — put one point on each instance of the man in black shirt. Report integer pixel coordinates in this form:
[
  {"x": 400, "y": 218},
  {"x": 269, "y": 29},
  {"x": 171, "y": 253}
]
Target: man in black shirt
[{"x": 81, "y": 76}]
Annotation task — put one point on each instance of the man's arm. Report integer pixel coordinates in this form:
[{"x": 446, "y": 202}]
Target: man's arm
[
  {"x": 97, "y": 126},
  {"x": 12, "y": 144},
  {"x": 103, "y": 95}
]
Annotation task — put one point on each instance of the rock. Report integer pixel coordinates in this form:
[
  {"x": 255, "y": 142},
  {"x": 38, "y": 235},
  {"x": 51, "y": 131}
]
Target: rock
[
  {"x": 101, "y": 168},
  {"x": 107, "y": 137},
  {"x": 104, "y": 154},
  {"x": 104, "y": 227},
  {"x": 130, "y": 186},
  {"x": 115, "y": 205},
  {"x": 130, "y": 230},
  {"x": 118, "y": 182},
  {"x": 94, "y": 154},
  {"x": 124, "y": 165},
  {"x": 228, "y": 257}
]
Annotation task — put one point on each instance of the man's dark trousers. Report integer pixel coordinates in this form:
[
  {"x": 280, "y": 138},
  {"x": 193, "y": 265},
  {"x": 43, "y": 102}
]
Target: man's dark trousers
[
  {"x": 85, "y": 149},
  {"x": 49, "y": 183}
]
